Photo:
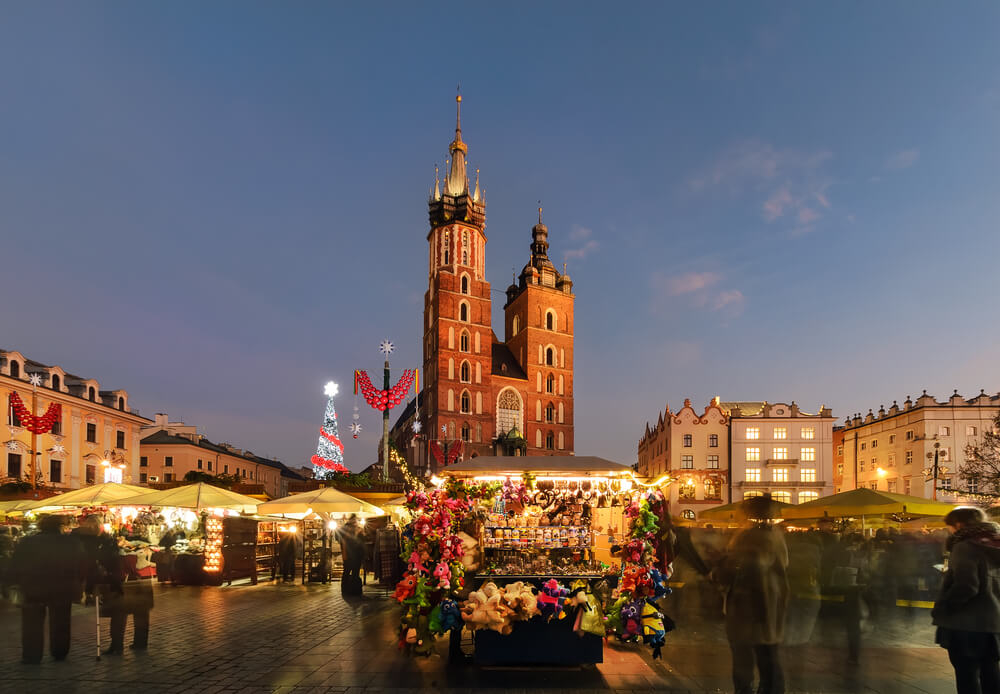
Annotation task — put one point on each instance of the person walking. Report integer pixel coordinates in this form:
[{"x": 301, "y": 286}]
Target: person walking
[
  {"x": 352, "y": 550},
  {"x": 967, "y": 611},
  {"x": 48, "y": 567},
  {"x": 753, "y": 576}
]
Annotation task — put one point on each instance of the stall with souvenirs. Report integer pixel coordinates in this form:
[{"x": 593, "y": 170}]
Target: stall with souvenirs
[{"x": 568, "y": 550}]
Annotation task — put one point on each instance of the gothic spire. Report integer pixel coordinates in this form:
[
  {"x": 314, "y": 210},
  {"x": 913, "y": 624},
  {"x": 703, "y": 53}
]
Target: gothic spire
[{"x": 457, "y": 182}]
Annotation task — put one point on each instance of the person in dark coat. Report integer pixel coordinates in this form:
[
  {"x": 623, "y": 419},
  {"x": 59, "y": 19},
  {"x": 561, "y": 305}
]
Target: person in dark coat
[
  {"x": 48, "y": 567},
  {"x": 352, "y": 550},
  {"x": 967, "y": 611},
  {"x": 288, "y": 550},
  {"x": 103, "y": 570},
  {"x": 755, "y": 585}
]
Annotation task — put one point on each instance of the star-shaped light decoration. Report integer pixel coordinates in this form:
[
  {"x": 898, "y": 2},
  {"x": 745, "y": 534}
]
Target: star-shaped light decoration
[
  {"x": 331, "y": 389},
  {"x": 57, "y": 448},
  {"x": 12, "y": 445},
  {"x": 355, "y": 428},
  {"x": 417, "y": 426},
  {"x": 386, "y": 348},
  {"x": 444, "y": 429},
  {"x": 35, "y": 379}
]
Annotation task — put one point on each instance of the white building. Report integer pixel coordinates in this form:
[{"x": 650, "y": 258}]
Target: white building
[{"x": 779, "y": 449}]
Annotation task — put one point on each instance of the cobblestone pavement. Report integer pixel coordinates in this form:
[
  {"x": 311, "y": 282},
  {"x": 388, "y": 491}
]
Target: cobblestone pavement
[{"x": 291, "y": 638}]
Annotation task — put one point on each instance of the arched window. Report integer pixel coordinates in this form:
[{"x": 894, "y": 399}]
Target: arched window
[
  {"x": 550, "y": 412},
  {"x": 550, "y": 383},
  {"x": 121, "y": 404},
  {"x": 465, "y": 284},
  {"x": 465, "y": 431},
  {"x": 712, "y": 489},
  {"x": 515, "y": 325},
  {"x": 91, "y": 394},
  {"x": 55, "y": 382},
  {"x": 463, "y": 341},
  {"x": 550, "y": 320},
  {"x": 463, "y": 312},
  {"x": 15, "y": 370},
  {"x": 550, "y": 441},
  {"x": 686, "y": 490},
  {"x": 466, "y": 402},
  {"x": 687, "y": 514},
  {"x": 550, "y": 356},
  {"x": 465, "y": 373},
  {"x": 508, "y": 411},
  {"x": 465, "y": 257},
  {"x": 447, "y": 247}
]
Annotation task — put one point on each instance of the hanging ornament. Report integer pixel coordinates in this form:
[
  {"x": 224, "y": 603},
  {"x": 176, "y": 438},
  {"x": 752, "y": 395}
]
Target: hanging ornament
[{"x": 355, "y": 429}]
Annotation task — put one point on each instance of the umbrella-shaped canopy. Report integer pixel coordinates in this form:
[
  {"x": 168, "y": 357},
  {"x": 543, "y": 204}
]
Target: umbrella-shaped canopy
[
  {"x": 868, "y": 502},
  {"x": 198, "y": 496},
  {"x": 94, "y": 495},
  {"x": 322, "y": 500},
  {"x": 734, "y": 511}
]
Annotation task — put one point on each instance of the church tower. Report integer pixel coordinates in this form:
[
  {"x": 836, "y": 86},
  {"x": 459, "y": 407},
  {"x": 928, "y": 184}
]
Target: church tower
[
  {"x": 538, "y": 330},
  {"x": 457, "y": 321}
]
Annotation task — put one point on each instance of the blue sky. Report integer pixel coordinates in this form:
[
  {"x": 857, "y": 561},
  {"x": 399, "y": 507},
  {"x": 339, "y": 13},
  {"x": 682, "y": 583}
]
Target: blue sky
[{"x": 220, "y": 206}]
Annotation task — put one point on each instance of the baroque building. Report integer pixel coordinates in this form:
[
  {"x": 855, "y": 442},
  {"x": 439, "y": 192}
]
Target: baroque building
[{"x": 483, "y": 395}]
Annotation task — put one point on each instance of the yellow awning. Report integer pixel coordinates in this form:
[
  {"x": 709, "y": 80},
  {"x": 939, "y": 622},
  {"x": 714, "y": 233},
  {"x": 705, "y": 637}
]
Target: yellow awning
[
  {"x": 322, "y": 500},
  {"x": 868, "y": 502},
  {"x": 94, "y": 495},
  {"x": 734, "y": 511},
  {"x": 198, "y": 496}
]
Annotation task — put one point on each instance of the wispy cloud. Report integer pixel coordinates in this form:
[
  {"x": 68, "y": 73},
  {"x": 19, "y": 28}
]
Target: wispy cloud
[
  {"x": 698, "y": 289},
  {"x": 691, "y": 282},
  {"x": 790, "y": 184},
  {"x": 586, "y": 244},
  {"x": 903, "y": 159}
]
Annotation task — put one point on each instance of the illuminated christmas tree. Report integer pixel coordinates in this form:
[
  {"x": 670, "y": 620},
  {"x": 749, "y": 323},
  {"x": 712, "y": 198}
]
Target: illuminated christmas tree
[{"x": 329, "y": 458}]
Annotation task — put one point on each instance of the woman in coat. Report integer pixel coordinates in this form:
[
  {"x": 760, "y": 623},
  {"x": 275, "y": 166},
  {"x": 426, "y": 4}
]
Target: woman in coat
[{"x": 755, "y": 585}]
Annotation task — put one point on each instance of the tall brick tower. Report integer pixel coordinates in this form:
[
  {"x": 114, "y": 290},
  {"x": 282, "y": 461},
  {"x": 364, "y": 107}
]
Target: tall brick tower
[
  {"x": 457, "y": 324},
  {"x": 538, "y": 328}
]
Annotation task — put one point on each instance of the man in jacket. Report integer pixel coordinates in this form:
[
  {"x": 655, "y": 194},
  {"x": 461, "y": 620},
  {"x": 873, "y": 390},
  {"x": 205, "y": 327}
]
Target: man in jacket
[
  {"x": 967, "y": 611},
  {"x": 48, "y": 567}
]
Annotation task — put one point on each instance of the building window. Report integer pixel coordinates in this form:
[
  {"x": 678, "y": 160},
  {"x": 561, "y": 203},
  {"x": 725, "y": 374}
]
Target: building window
[
  {"x": 209, "y": 465},
  {"x": 465, "y": 372},
  {"x": 465, "y": 284},
  {"x": 550, "y": 384},
  {"x": 891, "y": 460},
  {"x": 687, "y": 440},
  {"x": 508, "y": 411},
  {"x": 840, "y": 469},
  {"x": 168, "y": 461},
  {"x": 686, "y": 491},
  {"x": 909, "y": 457},
  {"x": 906, "y": 486},
  {"x": 840, "y": 450},
  {"x": 873, "y": 485},
  {"x": 15, "y": 370},
  {"x": 142, "y": 478},
  {"x": 808, "y": 432},
  {"x": 550, "y": 357},
  {"x": 91, "y": 433},
  {"x": 874, "y": 443},
  {"x": 753, "y": 455},
  {"x": 463, "y": 313},
  {"x": 550, "y": 321},
  {"x": 861, "y": 464},
  {"x": 90, "y": 474},
  {"x": 463, "y": 342},
  {"x": 909, "y": 435},
  {"x": 779, "y": 474},
  {"x": 874, "y": 463},
  {"x": 225, "y": 469},
  {"x": 783, "y": 497},
  {"x": 752, "y": 494},
  {"x": 808, "y": 454},
  {"x": 891, "y": 486},
  {"x": 753, "y": 474},
  {"x": 862, "y": 445},
  {"x": 781, "y": 432},
  {"x": 892, "y": 439},
  {"x": 57, "y": 428},
  {"x": 168, "y": 477},
  {"x": 14, "y": 461},
  {"x": 807, "y": 474},
  {"x": 465, "y": 431},
  {"x": 712, "y": 490},
  {"x": 199, "y": 463},
  {"x": 780, "y": 453},
  {"x": 753, "y": 432},
  {"x": 550, "y": 441},
  {"x": 55, "y": 471},
  {"x": 687, "y": 462},
  {"x": 55, "y": 382},
  {"x": 944, "y": 431},
  {"x": 970, "y": 431},
  {"x": 143, "y": 461},
  {"x": 808, "y": 496},
  {"x": 687, "y": 514},
  {"x": 91, "y": 394},
  {"x": 466, "y": 403},
  {"x": 550, "y": 413},
  {"x": 120, "y": 439},
  {"x": 713, "y": 462},
  {"x": 972, "y": 485}
]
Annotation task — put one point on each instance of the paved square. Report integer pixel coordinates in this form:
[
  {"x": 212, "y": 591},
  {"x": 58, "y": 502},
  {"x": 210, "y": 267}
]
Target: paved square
[{"x": 292, "y": 638}]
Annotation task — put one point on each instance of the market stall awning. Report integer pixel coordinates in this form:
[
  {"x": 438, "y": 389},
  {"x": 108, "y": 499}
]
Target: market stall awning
[
  {"x": 734, "y": 511},
  {"x": 94, "y": 495},
  {"x": 550, "y": 465},
  {"x": 323, "y": 500},
  {"x": 198, "y": 496},
  {"x": 856, "y": 503}
]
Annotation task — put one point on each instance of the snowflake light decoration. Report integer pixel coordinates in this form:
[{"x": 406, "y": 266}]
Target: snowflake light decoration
[
  {"x": 330, "y": 389},
  {"x": 35, "y": 380},
  {"x": 355, "y": 428},
  {"x": 386, "y": 348},
  {"x": 57, "y": 448},
  {"x": 12, "y": 445},
  {"x": 417, "y": 426},
  {"x": 444, "y": 429}
]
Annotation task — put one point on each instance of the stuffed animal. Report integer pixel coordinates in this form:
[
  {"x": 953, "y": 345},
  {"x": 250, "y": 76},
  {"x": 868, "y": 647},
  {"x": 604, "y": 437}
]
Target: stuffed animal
[
  {"x": 659, "y": 581},
  {"x": 521, "y": 600},
  {"x": 631, "y": 621},
  {"x": 629, "y": 575},
  {"x": 551, "y": 599},
  {"x": 497, "y": 613},
  {"x": 415, "y": 562},
  {"x": 474, "y": 611},
  {"x": 405, "y": 588},
  {"x": 443, "y": 574},
  {"x": 653, "y": 632},
  {"x": 451, "y": 617}
]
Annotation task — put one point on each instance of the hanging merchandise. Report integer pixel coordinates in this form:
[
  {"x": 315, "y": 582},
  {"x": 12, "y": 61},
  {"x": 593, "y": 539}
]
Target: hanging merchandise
[
  {"x": 329, "y": 458},
  {"x": 35, "y": 424}
]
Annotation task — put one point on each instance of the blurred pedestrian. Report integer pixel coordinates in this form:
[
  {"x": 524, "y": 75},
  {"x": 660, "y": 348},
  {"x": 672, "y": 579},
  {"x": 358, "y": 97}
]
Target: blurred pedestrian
[
  {"x": 352, "y": 550},
  {"x": 48, "y": 567},
  {"x": 967, "y": 611},
  {"x": 754, "y": 582},
  {"x": 288, "y": 550}
]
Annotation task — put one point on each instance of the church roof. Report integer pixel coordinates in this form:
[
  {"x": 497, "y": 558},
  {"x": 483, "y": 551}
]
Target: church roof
[{"x": 504, "y": 363}]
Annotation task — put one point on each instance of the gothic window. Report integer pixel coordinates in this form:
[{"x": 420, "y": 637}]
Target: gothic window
[
  {"x": 515, "y": 323},
  {"x": 465, "y": 238},
  {"x": 465, "y": 431},
  {"x": 463, "y": 313},
  {"x": 465, "y": 284},
  {"x": 466, "y": 402},
  {"x": 712, "y": 490},
  {"x": 465, "y": 373},
  {"x": 550, "y": 320},
  {"x": 550, "y": 356},
  {"x": 550, "y": 412},
  {"x": 463, "y": 341},
  {"x": 508, "y": 411},
  {"x": 465, "y": 257},
  {"x": 550, "y": 384},
  {"x": 550, "y": 441}
]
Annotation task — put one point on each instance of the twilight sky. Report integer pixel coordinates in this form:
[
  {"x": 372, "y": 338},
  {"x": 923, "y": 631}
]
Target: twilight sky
[{"x": 220, "y": 206}]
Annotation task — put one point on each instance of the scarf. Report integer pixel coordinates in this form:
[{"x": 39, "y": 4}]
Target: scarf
[{"x": 975, "y": 531}]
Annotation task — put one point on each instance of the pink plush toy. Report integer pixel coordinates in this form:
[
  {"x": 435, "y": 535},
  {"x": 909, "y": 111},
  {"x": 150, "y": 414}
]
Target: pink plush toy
[
  {"x": 416, "y": 564},
  {"x": 443, "y": 574}
]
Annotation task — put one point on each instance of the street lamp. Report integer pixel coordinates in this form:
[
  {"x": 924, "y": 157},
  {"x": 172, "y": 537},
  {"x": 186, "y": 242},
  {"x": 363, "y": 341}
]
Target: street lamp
[
  {"x": 935, "y": 469},
  {"x": 114, "y": 467}
]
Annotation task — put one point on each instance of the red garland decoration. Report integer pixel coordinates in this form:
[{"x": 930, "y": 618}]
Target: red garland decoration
[
  {"x": 453, "y": 452},
  {"x": 332, "y": 439},
  {"x": 33, "y": 423},
  {"x": 327, "y": 464},
  {"x": 385, "y": 399}
]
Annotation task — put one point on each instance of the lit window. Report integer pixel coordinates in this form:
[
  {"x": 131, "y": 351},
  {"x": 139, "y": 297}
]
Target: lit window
[
  {"x": 808, "y": 454},
  {"x": 713, "y": 462},
  {"x": 779, "y": 474},
  {"x": 840, "y": 469},
  {"x": 781, "y": 432},
  {"x": 751, "y": 495},
  {"x": 753, "y": 432},
  {"x": 807, "y": 474},
  {"x": 686, "y": 491},
  {"x": 687, "y": 440},
  {"x": 891, "y": 460},
  {"x": 808, "y": 432},
  {"x": 780, "y": 453},
  {"x": 753, "y": 455},
  {"x": 891, "y": 486},
  {"x": 753, "y": 474},
  {"x": 713, "y": 440},
  {"x": 712, "y": 490},
  {"x": 687, "y": 462},
  {"x": 808, "y": 496},
  {"x": 783, "y": 497},
  {"x": 840, "y": 450},
  {"x": 687, "y": 514}
]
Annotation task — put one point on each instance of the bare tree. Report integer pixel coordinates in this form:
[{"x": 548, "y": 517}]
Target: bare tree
[{"x": 982, "y": 460}]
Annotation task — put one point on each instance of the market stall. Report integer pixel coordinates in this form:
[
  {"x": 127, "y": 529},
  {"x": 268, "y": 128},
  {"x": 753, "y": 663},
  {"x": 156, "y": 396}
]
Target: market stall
[
  {"x": 570, "y": 550},
  {"x": 868, "y": 507}
]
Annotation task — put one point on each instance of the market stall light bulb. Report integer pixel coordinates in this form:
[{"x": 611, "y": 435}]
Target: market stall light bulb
[
  {"x": 361, "y": 520},
  {"x": 437, "y": 481},
  {"x": 332, "y": 525}
]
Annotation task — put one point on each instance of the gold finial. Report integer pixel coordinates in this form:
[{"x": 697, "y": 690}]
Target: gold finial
[
  {"x": 564, "y": 268},
  {"x": 539, "y": 211}
]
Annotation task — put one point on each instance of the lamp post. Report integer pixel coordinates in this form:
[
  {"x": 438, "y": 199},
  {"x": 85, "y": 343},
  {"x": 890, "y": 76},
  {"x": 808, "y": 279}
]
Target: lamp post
[{"x": 934, "y": 470}]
